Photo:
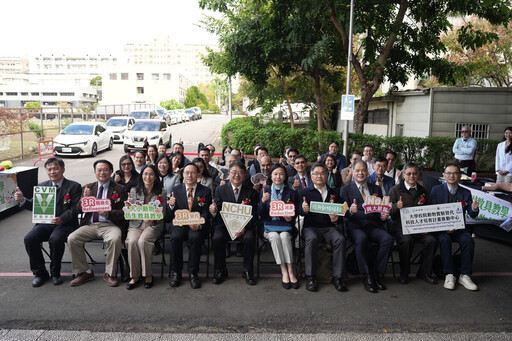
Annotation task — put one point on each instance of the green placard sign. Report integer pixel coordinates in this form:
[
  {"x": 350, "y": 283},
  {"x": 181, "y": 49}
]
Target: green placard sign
[
  {"x": 327, "y": 208},
  {"x": 44, "y": 199}
]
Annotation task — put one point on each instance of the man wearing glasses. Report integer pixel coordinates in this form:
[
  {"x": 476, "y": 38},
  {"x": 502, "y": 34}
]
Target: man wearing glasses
[
  {"x": 236, "y": 191},
  {"x": 346, "y": 173},
  {"x": 391, "y": 171},
  {"x": 301, "y": 179},
  {"x": 447, "y": 193},
  {"x": 464, "y": 149}
]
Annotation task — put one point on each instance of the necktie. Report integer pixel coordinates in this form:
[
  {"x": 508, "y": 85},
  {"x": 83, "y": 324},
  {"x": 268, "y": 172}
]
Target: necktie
[
  {"x": 361, "y": 189},
  {"x": 96, "y": 215},
  {"x": 189, "y": 199},
  {"x": 304, "y": 182},
  {"x": 236, "y": 193}
]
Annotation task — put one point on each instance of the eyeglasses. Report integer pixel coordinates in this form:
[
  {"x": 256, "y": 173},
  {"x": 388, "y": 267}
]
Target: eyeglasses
[
  {"x": 380, "y": 166},
  {"x": 411, "y": 174},
  {"x": 319, "y": 174},
  {"x": 236, "y": 173},
  {"x": 125, "y": 164},
  {"x": 452, "y": 173},
  {"x": 465, "y": 131},
  {"x": 299, "y": 162}
]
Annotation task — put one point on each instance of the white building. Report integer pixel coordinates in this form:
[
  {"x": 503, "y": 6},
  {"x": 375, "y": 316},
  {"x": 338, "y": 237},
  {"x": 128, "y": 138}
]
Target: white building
[
  {"x": 161, "y": 52},
  {"x": 71, "y": 65},
  {"x": 132, "y": 83},
  {"x": 13, "y": 65}
]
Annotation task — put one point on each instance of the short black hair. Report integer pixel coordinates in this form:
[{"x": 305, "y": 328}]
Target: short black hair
[
  {"x": 368, "y": 145},
  {"x": 108, "y": 163},
  {"x": 261, "y": 148},
  {"x": 203, "y": 149},
  {"x": 193, "y": 165},
  {"x": 321, "y": 165},
  {"x": 335, "y": 142},
  {"x": 237, "y": 164},
  {"x": 390, "y": 152},
  {"x": 381, "y": 159},
  {"x": 53, "y": 160},
  {"x": 139, "y": 151},
  {"x": 356, "y": 152},
  {"x": 451, "y": 165},
  {"x": 293, "y": 149},
  {"x": 299, "y": 156}
]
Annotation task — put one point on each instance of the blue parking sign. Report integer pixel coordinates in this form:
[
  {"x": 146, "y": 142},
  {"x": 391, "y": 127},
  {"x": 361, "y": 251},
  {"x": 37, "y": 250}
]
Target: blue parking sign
[{"x": 347, "y": 107}]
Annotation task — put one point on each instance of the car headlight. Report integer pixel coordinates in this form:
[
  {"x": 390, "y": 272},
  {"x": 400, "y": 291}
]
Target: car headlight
[{"x": 154, "y": 137}]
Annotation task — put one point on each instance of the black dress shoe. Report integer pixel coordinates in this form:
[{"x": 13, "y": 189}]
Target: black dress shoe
[
  {"x": 339, "y": 284},
  {"x": 175, "y": 279},
  {"x": 57, "y": 280},
  {"x": 369, "y": 284},
  {"x": 286, "y": 285},
  {"x": 131, "y": 286},
  {"x": 311, "y": 284},
  {"x": 249, "y": 277},
  {"x": 219, "y": 276},
  {"x": 378, "y": 282},
  {"x": 427, "y": 278},
  {"x": 148, "y": 285},
  {"x": 403, "y": 279},
  {"x": 39, "y": 280},
  {"x": 295, "y": 285},
  {"x": 195, "y": 282}
]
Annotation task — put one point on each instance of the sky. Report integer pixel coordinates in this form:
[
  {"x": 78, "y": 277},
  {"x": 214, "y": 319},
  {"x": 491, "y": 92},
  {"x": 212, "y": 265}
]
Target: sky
[{"x": 31, "y": 27}]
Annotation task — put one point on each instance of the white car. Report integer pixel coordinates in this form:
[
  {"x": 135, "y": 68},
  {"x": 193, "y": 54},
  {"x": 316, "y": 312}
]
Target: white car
[
  {"x": 184, "y": 116},
  {"x": 174, "y": 116},
  {"x": 118, "y": 125},
  {"x": 144, "y": 114},
  {"x": 84, "y": 138},
  {"x": 153, "y": 131},
  {"x": 198, "y": 112}
]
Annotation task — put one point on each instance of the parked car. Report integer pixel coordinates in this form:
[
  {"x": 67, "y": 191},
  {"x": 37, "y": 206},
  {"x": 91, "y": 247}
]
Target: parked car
[
  {"x": 84, "y": 138},
  {"x": 153, "y": 131},
  {"x": 198, "y": 112},
  {"x": 118, "y": 125},
  {"x": 184, "y": 116},
  {"x": 144, "y": 114},
  {"x": 163, "y": 115},
  {"x": 192, "y": 114},
  {"x": 174, "y": 116}
]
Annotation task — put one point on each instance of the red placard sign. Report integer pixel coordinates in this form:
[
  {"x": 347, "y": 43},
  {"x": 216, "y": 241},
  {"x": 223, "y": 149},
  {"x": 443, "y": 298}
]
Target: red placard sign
[
  {"x": 91, "y": 204},
  {"x": 45, "y": 145},
  {"x": 279, "y": 208}
]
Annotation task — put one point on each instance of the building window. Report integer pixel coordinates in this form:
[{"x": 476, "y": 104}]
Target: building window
[
  {"x": 155, "y": 76},
  {"x": 140, "y": 90},
  {"x": 379, "y": 116},
  {"x": 140, "y": 76},
  {"x": 49, "y": 94},
  {"x": 124, "y": 76},
  {"x": 167, "y": 76},
  {"x": 113, "y": 76},
  {"x": 478, "y": 130},
  {"x": 67, "y": 94},
  {"x": 34, "y": 93},
  {"x": 24, "y": 94},
  {"x": 11, "y": 94}
]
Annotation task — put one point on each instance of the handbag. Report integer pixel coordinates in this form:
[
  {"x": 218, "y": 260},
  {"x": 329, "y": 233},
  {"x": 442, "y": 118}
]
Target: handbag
[{"x": 277, "y": 226}]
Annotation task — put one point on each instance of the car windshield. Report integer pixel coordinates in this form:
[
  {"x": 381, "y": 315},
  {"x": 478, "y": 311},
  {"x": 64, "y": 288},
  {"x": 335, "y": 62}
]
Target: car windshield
[
  {"x": 190, "y": 111},
  {"x": 160, "y": 112},
  {"x": 78, "y": 130},
  {"x": 140, "y": 114},
  {"x": 118, "y": 122},
  {"x": 146, "y": 126}
]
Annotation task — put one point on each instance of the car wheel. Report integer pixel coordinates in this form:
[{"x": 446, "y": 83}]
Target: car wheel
[
  {"x": 295, "y": 116},
  {"x": 94, "y": 150},
  {"x": 111, "y": 144},
  {"x": 126, "y": 150}
]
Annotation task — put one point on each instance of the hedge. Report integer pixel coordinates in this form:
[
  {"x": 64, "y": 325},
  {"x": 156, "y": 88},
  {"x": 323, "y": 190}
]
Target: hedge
[{"x": 430, "y": 152}]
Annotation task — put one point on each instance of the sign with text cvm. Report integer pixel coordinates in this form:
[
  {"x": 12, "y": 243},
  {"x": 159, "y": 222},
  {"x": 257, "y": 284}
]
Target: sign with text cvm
[{"x": 43, "y": 210}]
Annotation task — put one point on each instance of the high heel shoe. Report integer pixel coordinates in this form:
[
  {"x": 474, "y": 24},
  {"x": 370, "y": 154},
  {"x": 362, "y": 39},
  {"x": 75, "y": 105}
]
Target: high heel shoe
[
  {"x": 286, "y": 285},
  {"x": 148, "y": 285},
  {"x": 295, "y": 285},
  {"x": 130, "y": 286}
]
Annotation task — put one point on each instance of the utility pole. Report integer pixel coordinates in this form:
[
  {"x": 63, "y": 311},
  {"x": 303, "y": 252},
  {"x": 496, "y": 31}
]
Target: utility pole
[{"x": 349, "y": 68}]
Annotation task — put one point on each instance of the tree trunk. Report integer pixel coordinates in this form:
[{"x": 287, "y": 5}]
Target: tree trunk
[
  {"x": 285, "y": 92},
  {"x": 318, "y": 99},
  {"x": 292, "y": 120},
  {"x": 362, "y": 110}
]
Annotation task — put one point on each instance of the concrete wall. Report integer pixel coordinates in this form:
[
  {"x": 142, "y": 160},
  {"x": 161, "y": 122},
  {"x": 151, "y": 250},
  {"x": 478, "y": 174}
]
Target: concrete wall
[{"x": 413, "y": 113}]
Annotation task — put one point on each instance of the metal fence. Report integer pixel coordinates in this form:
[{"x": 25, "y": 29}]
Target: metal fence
[{"x": 20, "y": 128}]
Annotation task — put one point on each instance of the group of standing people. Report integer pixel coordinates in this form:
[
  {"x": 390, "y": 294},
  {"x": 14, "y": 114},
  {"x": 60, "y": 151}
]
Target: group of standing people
[{"x": 203, "y": 185}]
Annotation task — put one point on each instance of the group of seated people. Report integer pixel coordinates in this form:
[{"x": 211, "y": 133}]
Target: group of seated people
[{"x": 202, "y": 185}]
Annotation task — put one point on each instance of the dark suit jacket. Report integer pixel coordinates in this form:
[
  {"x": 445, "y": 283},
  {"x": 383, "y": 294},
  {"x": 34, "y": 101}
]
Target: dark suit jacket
[
  {"x": 387, "y": 181},
  {"x": 337, "y": 180},
  {"x": 408, "y": 200},
  {"x": 317, "y": 219},
  {"x": 264, "y": 208},
  {"x": 180, "y": 193},
  {"x": 225, "y": 193},
  {"x": 348, "y": 194},
  {"x": 116, "y": 215},
  {"x": 439, "y": 195},
  {"x": 309, "y": 182},
  {"x": 66, "y": 211}
]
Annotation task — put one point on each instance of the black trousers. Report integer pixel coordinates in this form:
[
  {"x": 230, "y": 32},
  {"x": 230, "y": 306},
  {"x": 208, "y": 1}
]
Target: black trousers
[
  {"x": 369, "y": 233},
  {"x": 220, "y": 239},
  {"x": 56, "y": 236},
  {"x": 406, "y": 246},
  {"x": 465, "y": 163},
  {"x": 315, "y": 235},
  {"x": 180, "y": 234}
]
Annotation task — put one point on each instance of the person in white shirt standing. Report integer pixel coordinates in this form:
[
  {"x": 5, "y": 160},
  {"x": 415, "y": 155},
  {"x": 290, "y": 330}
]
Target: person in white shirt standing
[
  {"x": 464, "y": 149},
  {"x": 504, "y": 158}
]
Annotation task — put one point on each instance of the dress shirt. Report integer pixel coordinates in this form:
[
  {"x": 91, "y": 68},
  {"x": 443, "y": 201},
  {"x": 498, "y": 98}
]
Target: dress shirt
[
  {"x": 323, "y": 191},
  {"x": 409, "y": 187},
  {"x": 503, "y": 161},
  {"x": 464, "y": 149},
  {"x": 302, "y": 178},
  {"x": 103, "y": 196},
  {"x": 239, "y": 188},
  {"x": 453, "y": 191},
  {"x": 393, "y": 173},
  {"x": 58, "y": 184},
  {"x": 365, "y": 188},
  {"x": 370, "y": 165}
]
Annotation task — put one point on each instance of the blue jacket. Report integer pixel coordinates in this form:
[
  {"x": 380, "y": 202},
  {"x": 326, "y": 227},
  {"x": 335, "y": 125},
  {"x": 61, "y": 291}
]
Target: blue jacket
[
  {"x": 387, "y": 181},
  {"x": 440, "y": 195}
]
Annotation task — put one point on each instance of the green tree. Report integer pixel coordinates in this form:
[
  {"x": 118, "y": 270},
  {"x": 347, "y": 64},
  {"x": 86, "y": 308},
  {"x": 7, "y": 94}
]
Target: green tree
[
  {"x": 196, "y": 98},
  {"x": 171, "y": 104},
  {"x": 32, "y": 105},
  {"x": 96, "y": 81}
]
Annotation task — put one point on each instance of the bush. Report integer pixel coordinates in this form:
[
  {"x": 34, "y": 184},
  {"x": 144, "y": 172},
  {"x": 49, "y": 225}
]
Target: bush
[
  {"x": 36, "y": 129},
  {"x": 431, "y": 152}
]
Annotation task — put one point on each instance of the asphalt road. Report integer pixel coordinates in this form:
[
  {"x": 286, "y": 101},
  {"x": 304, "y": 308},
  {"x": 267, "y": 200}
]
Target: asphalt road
[{"x": 236, "y": 310}]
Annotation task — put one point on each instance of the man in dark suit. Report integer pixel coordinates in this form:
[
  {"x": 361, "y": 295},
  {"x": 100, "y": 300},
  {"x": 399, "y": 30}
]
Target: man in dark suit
[
  {"x": 302, "y": 179},
  {"x": 236, "y": 191},
  {"x": 362, "y": 228},
  {"x": 56, "y": 233},
  {"x": 378, "y": 178},
  {"x": 321, "y": 228},
  {"x": 447, "y": 193},
  {"x": 334, "y": 148},
  {"x": 107, "y": 225},
  {"x": 194, "y": 197}
]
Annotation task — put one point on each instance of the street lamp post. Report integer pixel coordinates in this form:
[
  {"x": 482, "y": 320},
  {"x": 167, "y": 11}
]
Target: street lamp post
[{"x": 349, "y": 65}]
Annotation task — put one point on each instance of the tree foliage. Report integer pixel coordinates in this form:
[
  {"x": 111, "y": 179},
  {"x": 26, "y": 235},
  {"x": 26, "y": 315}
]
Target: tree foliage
[
  {"x": 196, "y": 98},
  {"x": 172, "y": 104},
  {"x": 96, "y": 81},
  {"x": 394, "y": 39}
]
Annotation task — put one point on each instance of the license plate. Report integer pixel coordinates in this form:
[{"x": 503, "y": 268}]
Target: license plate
[{"x": 66, "y": 150}]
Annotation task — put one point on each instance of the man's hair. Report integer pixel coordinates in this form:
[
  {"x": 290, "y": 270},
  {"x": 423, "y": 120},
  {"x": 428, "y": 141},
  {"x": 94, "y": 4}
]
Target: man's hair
[
  {"x": 203, "y": 149},
  {"x": 451, "y": 165},
  {"x": 335, "y": 142},
  {"x": 368, "y": 145},
  {"x": 141, "y": 152},
  {"x": 357, "y": 152},
  {"x": 381, "y": 159},
  {"x": 53, "y": 160},
  {"x": 261, "y": 148},
  {"x": 177, "y": 143},
  {"x": 237, "y": 164},
  {"x": 293, "y": 149},
  {"x": 193, "y": 164},
  {"x": 390, "y": 152},
  {"x": 299, "y": 156},
  {"x": 321, "y": 165},
  {"x": 410, "y": 165},
  {"x": 360, "y": 162},
  {"x": 108, "y": 163}
]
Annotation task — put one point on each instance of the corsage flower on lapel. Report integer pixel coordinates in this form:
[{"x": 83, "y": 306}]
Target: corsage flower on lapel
[
  {"x": 463, "y": 203},
  {"x": 289, "y": 200},
  {"x": 67, "y": 198},
  {"x": 331, "y": 199},
  {"x": 422, "y": 199},
  {"x": 160, "y": 198},
  {"x": 246, "y": 201},
  {"x": 115, "y": 197},
  {"x": 201, "y": 201}
]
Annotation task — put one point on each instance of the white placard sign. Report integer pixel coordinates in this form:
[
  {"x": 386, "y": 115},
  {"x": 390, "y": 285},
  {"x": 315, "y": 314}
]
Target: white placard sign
[
  {"x": 432, "y": 218},
  {"x": 235, "y": 217}
]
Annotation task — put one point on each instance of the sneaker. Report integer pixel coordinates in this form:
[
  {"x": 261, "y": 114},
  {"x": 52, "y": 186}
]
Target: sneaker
[
  {"x": 449, "y": 282},
  {"x": 466, "y": 281}
]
